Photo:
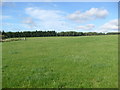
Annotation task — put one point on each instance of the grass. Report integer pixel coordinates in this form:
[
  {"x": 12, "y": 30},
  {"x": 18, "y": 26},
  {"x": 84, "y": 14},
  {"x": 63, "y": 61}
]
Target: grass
[
  {"x": 61, "y": 62},
  {"x": 0, "y": 65}
]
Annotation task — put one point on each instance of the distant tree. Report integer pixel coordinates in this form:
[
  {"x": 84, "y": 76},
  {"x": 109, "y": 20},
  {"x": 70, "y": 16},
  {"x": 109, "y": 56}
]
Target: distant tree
[
  {"x": 113, "y": 33},
  {"x": 49, "y": 33}
]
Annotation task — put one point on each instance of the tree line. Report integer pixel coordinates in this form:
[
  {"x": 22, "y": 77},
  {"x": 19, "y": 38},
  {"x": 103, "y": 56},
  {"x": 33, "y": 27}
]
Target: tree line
[{"x": 50, "y": 33}]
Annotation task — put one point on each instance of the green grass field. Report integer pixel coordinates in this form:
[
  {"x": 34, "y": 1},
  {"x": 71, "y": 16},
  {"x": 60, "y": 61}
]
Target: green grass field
[{"x": 61, "y": 62}]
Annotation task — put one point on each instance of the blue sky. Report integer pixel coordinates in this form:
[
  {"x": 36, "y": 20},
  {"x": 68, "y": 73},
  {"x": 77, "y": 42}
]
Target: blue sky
[{"x": 60, "y": 16}]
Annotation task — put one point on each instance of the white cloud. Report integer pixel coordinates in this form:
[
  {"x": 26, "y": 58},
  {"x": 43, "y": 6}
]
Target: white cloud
[
  {"x": 44, "y": 15},
  {"x": 47, "y": 19},
  {"x": 29, "y": 21},
  {"x": 86, "y": 27},
  {"x": 111, "y": 26},
  {"x": 91, "y": 14}
]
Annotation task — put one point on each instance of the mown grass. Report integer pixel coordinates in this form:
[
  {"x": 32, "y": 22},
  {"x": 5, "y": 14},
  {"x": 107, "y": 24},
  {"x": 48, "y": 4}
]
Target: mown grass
[{"x": 61, "y": 62}]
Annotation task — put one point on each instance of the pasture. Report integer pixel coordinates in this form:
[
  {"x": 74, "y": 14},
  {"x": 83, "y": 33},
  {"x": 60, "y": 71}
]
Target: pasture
[{"x": 61, "y": 62}]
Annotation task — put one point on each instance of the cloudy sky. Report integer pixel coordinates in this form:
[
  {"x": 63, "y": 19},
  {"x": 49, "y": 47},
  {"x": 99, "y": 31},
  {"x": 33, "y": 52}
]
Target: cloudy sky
[{"x": 60, "y": 16}]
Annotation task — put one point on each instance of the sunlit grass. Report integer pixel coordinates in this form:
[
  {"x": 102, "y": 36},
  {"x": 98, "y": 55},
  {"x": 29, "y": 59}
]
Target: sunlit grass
[{"x": 64, "y": 62}]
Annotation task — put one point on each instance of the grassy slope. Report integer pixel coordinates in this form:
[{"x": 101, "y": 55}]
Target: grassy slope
[
  {"x": 83, "y": 62},
  {"x": 0, "y": 65}
]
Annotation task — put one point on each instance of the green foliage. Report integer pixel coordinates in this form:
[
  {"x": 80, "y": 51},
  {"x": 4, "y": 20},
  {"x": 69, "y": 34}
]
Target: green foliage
[
  {"x": 47, "y": 34},
  {"x": 61, "y": 62},
  {"x": 113, "y": 33},
  {"x": 51, "y": 33}
]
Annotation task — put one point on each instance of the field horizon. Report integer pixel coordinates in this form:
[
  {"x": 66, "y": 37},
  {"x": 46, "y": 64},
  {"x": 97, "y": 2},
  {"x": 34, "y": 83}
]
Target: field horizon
[{"x": 61, "y": 62}]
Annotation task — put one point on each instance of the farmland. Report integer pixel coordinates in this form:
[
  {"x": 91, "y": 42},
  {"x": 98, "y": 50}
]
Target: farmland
[{"x": 61, "y": 62}]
